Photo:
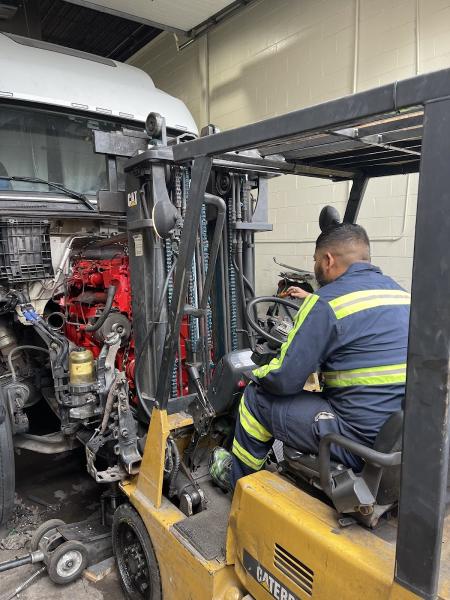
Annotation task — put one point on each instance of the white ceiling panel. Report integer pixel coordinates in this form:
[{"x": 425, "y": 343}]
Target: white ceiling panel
[{"x": 182, "y": 15}]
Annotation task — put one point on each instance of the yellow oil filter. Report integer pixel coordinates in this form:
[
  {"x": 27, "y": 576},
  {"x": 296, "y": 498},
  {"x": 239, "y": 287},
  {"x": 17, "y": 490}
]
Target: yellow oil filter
[{"x": 81, "y": 367}]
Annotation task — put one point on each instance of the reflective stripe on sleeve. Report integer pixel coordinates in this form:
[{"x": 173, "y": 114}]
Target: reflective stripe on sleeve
[
  {"x": 385, "y": 375},
  {"x": 349, "y": 304},
  {"x": 245, "y": 457},
  {"x": 277, "y": 362},
  {"x": 251, "y": 425}
]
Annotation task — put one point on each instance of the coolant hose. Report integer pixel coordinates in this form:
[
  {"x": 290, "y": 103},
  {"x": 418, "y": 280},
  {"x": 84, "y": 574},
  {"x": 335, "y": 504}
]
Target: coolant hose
[{"x": 108, "y": 305}]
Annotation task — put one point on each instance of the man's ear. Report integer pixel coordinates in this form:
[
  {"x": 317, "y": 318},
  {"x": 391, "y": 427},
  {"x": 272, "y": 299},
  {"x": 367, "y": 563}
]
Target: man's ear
[{"x": 330, "y": 261}]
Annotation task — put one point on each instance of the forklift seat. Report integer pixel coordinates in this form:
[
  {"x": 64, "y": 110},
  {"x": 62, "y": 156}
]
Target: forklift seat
[{"x": 365, "y": 496}]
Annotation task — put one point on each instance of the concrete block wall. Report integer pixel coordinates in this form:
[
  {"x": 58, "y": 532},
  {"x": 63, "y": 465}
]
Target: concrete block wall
[{"x": 280, "y": 55}]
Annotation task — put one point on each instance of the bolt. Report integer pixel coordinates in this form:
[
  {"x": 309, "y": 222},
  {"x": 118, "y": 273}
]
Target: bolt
[{"x": 124, "y": 432}]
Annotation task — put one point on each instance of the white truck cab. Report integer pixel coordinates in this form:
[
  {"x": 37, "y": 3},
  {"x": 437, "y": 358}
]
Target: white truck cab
[
  {"x": 54, "y": 101},
  {"x": 51, "y": 98}
]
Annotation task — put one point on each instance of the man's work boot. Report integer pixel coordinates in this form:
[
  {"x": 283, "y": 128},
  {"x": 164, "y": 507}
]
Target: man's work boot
[{"x": 220, "y": 468}]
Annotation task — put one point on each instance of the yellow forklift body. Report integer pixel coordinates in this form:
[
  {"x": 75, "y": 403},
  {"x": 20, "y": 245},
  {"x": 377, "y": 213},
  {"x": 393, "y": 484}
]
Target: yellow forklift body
[
  {"x": 282, "y": 543},
  {"x": 185, "y": 574},
  {"x": 292, "y": 546}
]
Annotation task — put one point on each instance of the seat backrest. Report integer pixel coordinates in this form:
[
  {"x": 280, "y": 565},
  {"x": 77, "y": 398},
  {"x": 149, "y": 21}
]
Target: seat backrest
[{"x": 389, "y": 439}]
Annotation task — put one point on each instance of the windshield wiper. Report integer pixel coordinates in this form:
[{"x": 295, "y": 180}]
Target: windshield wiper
[{"x": 57, "y": 186}]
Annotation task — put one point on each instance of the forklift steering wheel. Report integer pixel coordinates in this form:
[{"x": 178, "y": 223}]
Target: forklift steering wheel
[{"x": 274, "y": 300}]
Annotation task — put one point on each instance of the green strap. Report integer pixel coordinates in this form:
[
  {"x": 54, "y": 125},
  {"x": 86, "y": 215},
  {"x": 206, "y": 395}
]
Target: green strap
[
  {"x": 384, "y": 375},
  {"x": 245, "y": 457},
  {"x": 349, "y": 304},
  {"x": 277, "y": 362}
]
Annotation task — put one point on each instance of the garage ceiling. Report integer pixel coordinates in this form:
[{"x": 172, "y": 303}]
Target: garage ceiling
[
  {"x": 114, "y": 29},
  {"x": 92, "y": 31},
  {"x": 174, "y": 15}
]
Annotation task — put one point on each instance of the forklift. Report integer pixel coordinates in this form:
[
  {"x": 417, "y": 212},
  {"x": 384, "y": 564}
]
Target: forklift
[{"x": 303, "y": 527}]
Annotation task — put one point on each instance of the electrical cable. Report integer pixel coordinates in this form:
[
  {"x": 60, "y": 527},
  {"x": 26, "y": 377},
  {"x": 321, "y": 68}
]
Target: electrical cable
[
  {"x": 143, "y": 202},
  {"x": 147, "y": 337}
]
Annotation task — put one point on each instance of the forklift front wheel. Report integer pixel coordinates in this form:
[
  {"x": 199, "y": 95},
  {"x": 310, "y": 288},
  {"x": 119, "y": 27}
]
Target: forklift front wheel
[
  {"x": 135, "y": 557},
  {"x": 67, "y": 562}
]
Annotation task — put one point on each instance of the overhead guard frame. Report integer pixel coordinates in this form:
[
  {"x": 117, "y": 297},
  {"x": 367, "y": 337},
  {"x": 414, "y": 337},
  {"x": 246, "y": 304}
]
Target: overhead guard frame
[{"x": 425, "y": 101}]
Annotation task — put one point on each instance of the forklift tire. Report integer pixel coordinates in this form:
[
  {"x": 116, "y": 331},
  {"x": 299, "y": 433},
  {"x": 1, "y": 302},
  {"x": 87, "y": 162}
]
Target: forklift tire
[
  {"x": 67, "y": 562},
  {"x": 7, "y": 467},
  {"x": 42, "y": 530},
  {"x": 135, "y": 557}
]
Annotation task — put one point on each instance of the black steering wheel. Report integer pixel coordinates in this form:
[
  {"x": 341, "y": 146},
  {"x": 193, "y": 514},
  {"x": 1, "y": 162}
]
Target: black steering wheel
[{"x": 274, "y": 300}]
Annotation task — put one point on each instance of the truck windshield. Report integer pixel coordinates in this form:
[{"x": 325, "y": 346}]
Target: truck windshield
[{"x": 52, "y": 146}]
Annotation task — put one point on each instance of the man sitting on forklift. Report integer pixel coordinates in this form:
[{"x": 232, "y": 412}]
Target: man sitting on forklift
[{"x": 354, "y": 330}]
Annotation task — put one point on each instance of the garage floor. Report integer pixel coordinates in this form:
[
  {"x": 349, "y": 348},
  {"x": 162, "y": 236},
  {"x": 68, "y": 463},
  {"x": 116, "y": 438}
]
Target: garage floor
[{"x": 50, "y": 487}]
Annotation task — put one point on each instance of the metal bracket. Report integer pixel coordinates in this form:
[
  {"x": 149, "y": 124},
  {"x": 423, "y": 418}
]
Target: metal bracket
[
  {"x": 127, "y": 434},
  {"x": 371, "y": 140}
]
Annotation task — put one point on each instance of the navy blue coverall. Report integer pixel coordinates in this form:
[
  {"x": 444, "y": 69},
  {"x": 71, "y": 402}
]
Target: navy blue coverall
[{"x": 355, "y": 332}]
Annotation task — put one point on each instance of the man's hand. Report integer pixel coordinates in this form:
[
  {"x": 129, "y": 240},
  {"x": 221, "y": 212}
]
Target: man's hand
[{"x": 296, "y": 292}]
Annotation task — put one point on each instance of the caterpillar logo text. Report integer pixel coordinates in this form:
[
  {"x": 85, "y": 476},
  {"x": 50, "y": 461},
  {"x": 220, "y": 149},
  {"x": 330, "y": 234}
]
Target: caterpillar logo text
[{"x": 268, "y": 581}]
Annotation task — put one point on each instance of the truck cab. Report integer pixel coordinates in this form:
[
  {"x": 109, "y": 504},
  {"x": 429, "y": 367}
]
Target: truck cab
[{"x": 57, "y": 107}]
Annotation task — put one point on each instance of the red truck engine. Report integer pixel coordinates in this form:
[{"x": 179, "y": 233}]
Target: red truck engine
[{"x": 84, "y": 302}]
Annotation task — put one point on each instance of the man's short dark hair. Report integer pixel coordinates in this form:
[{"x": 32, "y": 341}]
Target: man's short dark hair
[{"x": 344, "y": 233}]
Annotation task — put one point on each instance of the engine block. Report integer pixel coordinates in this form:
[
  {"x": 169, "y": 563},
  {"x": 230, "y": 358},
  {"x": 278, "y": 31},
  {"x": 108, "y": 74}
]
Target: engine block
[{"x": 84, "y": 300}]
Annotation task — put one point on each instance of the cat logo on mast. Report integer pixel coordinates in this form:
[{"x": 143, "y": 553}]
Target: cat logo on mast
[{"x": 132, "y": 199}]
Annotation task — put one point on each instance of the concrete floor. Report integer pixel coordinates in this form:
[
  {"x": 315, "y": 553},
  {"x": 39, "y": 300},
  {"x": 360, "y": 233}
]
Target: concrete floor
[{"x": 50, "y": 487}]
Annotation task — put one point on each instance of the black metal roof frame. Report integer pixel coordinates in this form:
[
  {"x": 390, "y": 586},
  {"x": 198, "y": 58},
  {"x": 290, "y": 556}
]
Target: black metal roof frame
[
  {"x": 378, "y": 132},
  {"x": 397, "y": 128}
]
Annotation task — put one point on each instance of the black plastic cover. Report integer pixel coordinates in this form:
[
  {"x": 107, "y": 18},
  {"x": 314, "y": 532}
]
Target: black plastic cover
[{"x": 225, "y": 388}]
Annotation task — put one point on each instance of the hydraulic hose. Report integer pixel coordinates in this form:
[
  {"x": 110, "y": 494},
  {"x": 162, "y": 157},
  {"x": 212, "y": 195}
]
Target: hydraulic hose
[
  {"x": 214, "y": 250},
  {"x": 175, "y": 469},
  {"x": 250, "y": 287},
  {"x": 147, "y": 337},
  {"x": 108, "y": 305},
  {"x": 237, "y": 264}
]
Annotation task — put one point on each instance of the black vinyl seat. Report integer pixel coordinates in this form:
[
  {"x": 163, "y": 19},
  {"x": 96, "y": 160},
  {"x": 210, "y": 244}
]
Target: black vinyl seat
[{"x": 365, "y": 496}]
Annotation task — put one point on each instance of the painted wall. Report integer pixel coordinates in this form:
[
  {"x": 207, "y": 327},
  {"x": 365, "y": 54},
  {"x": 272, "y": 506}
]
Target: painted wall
[{"x": 280, "y": 55}]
